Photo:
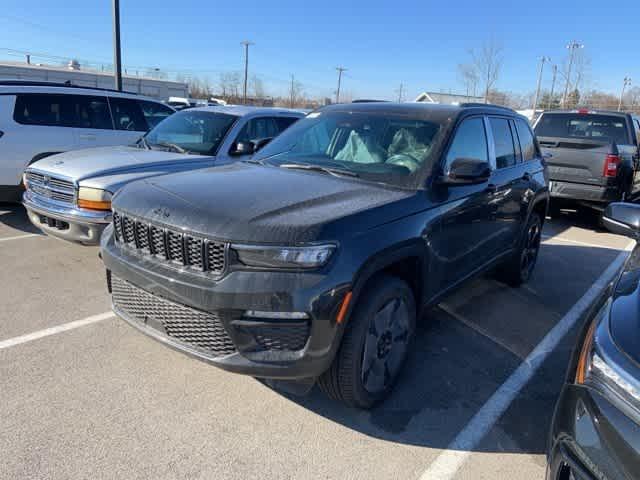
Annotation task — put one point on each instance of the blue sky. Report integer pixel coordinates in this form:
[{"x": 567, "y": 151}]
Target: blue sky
[{"x": 382, "y": 43}]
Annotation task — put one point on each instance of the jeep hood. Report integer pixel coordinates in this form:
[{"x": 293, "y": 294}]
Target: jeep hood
[
  {"x": 104, "y": 161},
  {"x": 243, "y": 202}
]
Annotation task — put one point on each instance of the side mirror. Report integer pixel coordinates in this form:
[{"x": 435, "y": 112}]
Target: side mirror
[
  {"x": 466, "y": 171},
  {"x": 243, "y": 148},
  {"x": 623, "y": 219},
  {"x": 258, "y": 144}
]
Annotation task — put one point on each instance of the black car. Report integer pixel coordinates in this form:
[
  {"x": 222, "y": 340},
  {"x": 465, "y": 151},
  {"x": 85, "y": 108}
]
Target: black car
[
  {"x": 596, "y": 427},
  {"x": 314, "y": 259},
  {"x": 594, "y": 156}
]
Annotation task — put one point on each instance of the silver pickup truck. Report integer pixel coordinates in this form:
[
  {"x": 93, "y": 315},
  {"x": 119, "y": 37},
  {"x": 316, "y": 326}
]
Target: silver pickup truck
[
  {"x": 69, "y": 195},
  {"x": 593, "y": 156}
]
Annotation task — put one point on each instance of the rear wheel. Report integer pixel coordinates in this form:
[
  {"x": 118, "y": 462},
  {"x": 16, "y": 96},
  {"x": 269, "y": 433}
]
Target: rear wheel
[
  {"x": 518, "y": 269},
  {"x": 374, "y": 346}
]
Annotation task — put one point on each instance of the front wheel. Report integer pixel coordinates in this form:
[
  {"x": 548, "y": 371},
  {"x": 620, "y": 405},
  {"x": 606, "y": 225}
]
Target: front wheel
[
  {"x": 374, "y": 346},
  {"x": 519, "y": 268}
]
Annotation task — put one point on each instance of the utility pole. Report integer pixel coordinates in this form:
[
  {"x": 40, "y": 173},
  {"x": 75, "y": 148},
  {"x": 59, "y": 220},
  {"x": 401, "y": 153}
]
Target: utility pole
[
  {"x": 400, "y": 92},
  {"x": 553, "y": 84},
  {"x": 535, "y": 99},
  {"x": 340, "y": 70},
  {"x": 117, "y": 58},
  {"x": 292, "y": 90},
  {"x": 246, "y": 44},
  {"x": 572, "y": 47},
  {"x": 626, "y": 82}
]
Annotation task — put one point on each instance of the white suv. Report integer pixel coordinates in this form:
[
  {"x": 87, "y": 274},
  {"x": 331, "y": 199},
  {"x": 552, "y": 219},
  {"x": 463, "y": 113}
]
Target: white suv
[{"x": 39, "y": 119}]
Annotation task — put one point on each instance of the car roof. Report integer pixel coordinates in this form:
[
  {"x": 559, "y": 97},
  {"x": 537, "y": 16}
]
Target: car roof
[
  {"x": 244, "y": 110},
  {"x": 15, "y": 87},
  {"x": 437, "y": 111}
]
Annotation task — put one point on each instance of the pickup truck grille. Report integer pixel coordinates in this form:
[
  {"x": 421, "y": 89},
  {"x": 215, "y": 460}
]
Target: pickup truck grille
[
  {"x": 170, "y": 246},
  {"x": 57, "y": 189},
  {"x": 194, "y": 328}
]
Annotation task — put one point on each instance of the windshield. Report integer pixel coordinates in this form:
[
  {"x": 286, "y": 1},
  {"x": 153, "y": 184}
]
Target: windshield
[
  {"x": 191, "y": 131},
  {"x": 380, "y": 147},
  {"x": 601, "y": 128}
]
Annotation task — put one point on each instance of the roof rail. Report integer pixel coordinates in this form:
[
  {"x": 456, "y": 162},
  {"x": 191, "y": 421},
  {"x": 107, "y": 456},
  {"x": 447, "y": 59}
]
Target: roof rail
[
  {"x": 366, "y": 100},
  {"x": 489, "y": 105},
  {"x": 67, "y": 84}
]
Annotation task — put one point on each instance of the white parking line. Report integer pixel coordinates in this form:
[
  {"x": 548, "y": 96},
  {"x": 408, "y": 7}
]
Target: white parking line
[
  {"x": 576, "y": 242},
  {"x": 447, "y": 464},
  {"x": 18, "y": 237},
  {"x": 12, "y": 342}
]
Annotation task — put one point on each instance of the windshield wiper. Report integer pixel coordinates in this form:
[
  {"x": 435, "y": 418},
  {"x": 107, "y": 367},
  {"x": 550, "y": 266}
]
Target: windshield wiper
[
  {"x": 172, "y": 146},
  {"x": 337, "y": 172},
  {"x": 143, "y": 141}
]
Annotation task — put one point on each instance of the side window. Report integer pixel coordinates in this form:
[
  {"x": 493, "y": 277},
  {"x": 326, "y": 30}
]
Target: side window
[
  {"x": 257, "y": 128},
  {"x": 470, "y": 142},
  {"x": 637, "y": 125},
  {"x": 527, "y": 142},
  {"x": 503, "y": 140},
  {"x": 127, "y": 115},
  {"x": 285, "y": 122},
  {"x": 154, "y": 112},
  {"x": 90, "y": 112},
  {"x": 43, "y": 109}
]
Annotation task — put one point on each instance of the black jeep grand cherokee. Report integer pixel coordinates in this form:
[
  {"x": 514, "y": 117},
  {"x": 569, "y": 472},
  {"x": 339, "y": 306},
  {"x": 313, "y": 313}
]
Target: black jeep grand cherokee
[{"x": 314, "y": 259}]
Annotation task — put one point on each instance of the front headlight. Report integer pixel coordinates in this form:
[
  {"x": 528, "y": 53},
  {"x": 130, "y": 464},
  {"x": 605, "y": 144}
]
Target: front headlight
[
  {"x": 94, "y": 198},
  {"x": 597, "y": 370},
  {"x": 312, "y": 256}
]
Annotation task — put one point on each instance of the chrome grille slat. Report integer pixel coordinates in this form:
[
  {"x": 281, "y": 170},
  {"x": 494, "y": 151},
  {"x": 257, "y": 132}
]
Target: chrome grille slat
[
  {"x": 170, "y": 245},
  {"x": 202, "y": 330},
  {"x": 51, "y": 187}
]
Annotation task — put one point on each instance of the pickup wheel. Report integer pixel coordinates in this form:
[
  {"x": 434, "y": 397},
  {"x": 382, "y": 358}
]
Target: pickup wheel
[
  {"x": 374, "y": 345},
  {"x": 518, "y": 268}
]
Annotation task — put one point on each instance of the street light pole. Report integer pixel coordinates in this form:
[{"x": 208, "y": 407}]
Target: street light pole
[
  {"x": 535, "y": 100},
  {"x": 246, "y": 44},
  {"x": 572, "y": 47},
  {"x": 626, "y": 82},
  {"x": 117, "y": 60},
  {"x": 340, "y": 70}
]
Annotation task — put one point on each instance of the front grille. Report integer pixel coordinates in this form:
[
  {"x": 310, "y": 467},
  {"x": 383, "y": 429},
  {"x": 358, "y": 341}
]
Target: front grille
[
  {"x": 170, "y": 245},
  {"x": 202, "y": 330},
  {"x": 57, "y": 189}
]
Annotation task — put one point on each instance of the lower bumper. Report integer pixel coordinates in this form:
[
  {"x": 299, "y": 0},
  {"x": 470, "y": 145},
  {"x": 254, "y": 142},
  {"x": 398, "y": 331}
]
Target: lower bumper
[
  {"x": 584, "y": 192},
  {"x": 591, "y": 438},
  {"x": 204, "y": 317},
  {"x": 68, "y": 222}
]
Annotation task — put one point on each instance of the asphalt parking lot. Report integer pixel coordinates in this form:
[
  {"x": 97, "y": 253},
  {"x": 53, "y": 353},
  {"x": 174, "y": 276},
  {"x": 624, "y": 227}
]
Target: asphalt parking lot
[{"x": 103, "y": 401}]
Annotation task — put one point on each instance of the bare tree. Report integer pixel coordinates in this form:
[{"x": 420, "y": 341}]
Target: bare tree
[
  {"x": 580, "y": 69},
  {"x": 229, "y": 84},
  {"x": 256, "y": 87},
  {"x": 487, "y": 63},
  {"x": 296, "y": 94},
  {"x": 469, "y": 77}
]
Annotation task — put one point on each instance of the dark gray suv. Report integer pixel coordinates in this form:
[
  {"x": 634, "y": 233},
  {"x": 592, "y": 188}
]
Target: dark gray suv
[{"x": 314, "y": 260}]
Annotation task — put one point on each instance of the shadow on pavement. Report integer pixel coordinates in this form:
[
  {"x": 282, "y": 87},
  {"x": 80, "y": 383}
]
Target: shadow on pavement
[
  {"x": 14, "y": 216},
  {"x": 459, "y": 361}
]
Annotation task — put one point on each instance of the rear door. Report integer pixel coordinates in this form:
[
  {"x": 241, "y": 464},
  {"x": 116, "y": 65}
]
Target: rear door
[
  {"x": 579, "y": 144},
  {"x": 154, "y": 112},
  {"x": 508, "y": 184}
]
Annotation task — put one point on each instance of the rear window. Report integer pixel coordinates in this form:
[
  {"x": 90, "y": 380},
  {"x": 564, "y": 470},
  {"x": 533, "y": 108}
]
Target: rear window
[{"x": 600, "y": 128}]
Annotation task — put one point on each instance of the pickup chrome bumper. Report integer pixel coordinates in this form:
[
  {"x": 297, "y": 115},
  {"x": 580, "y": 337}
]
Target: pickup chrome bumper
[{"x": 65, "y": 221}]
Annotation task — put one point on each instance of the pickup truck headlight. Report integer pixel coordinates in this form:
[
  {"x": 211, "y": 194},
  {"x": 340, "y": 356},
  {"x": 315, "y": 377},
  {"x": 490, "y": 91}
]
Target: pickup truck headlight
[
  {"x": 312, "y": 256},
  {"x": 94, "y": 198},
  {"x": 597, "y": 371}
]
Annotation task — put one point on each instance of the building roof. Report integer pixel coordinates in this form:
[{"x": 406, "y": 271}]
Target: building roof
[{"x": 448, "y": 98}]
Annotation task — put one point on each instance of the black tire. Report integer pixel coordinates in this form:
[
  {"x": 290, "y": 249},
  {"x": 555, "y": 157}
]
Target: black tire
[
  {"x": 519, "y": 267},
  {"x": 346, "y": 380}
]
